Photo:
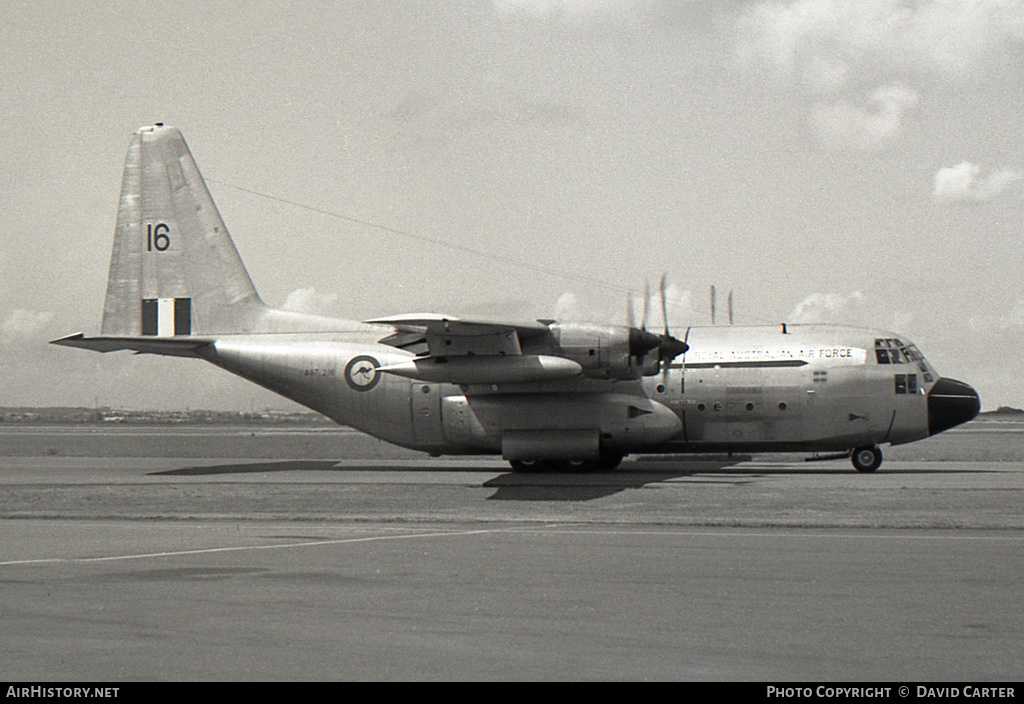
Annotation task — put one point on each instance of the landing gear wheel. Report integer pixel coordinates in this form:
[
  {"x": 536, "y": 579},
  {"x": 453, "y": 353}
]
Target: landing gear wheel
[
  {"x": 605, "y": 464},
  {"x": 866, "y": 459},
  {"x": 602, "y": 464},
  {"x": 527, "y": 466},
  {"x": 578, "y": 466}
]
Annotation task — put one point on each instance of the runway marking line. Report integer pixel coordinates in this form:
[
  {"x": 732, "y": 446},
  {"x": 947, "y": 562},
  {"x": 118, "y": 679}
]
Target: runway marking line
[
  {"x": 241, "y": 548},
  {"x": 1011, "y": 534},
  {"x": 560, "y": 529}
]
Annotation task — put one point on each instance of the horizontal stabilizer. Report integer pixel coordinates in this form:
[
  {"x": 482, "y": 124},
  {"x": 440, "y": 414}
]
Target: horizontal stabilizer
[{"x": 175, "y": 347}]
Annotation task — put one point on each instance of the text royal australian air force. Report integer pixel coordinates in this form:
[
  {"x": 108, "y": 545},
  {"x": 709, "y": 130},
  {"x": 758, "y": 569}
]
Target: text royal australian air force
[{"x": 835, "y": 355}]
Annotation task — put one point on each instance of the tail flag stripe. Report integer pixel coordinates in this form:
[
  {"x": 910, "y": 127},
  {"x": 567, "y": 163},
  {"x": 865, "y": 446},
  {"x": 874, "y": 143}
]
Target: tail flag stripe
[{"x": 166, "y": 317}]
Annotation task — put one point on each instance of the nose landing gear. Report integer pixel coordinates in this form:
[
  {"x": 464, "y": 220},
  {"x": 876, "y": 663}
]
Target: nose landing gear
[{"x": 866, "y": 459}]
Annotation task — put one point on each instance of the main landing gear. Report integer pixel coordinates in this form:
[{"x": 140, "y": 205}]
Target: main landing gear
[
  {"x": 866, "y": 459},
  {"x": 604, "y": 464}
]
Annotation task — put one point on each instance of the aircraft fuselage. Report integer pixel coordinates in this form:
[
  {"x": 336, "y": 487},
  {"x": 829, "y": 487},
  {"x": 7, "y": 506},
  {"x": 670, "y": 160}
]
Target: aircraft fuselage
[{"x": 766, "y": 388}]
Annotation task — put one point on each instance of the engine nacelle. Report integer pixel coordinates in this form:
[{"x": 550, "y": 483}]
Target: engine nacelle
[
  {"x": 489, "y": 369},
  {"x": 603, "y": 351}
]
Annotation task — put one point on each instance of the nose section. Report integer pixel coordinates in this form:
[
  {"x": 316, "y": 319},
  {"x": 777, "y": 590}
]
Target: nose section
[{"x": 950, "y": 403}]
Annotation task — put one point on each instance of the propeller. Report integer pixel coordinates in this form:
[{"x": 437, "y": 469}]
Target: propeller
[
  {"x": 670, "y": 347},
  {"x": 641, "y": 341}
]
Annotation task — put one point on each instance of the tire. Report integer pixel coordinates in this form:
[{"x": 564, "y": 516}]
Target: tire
[
  {"x": 528, "y": 466},
  {"x": 866, "y": 459},
  {"x": 577, "y": 466},
  {"x": 604, "y": 464}
]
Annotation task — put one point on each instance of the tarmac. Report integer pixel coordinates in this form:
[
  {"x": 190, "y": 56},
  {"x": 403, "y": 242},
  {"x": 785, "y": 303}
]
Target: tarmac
[{"x": 764, "y": 569}]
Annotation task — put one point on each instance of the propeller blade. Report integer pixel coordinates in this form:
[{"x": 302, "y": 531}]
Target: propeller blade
[
  {"x": 685, "y": 347},
  {"x": 647, "y": 301},
  {"x": 669, "y": 347},
  {"x": 640, "y": 341},
  {"x": 664, "y": 305}
]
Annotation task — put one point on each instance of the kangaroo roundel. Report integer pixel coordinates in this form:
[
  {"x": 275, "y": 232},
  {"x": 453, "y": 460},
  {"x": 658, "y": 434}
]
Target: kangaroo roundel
[{"x": 361, "y": 372}]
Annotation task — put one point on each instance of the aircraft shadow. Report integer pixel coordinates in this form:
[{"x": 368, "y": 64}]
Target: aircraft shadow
[
  {"x": 587, "y": 486},
  {"x": 266, "y": 466},
  {"x": 563, "y": 486},
  {"x": 249, "y": 468},
  {"x": 546, "y": 486}
]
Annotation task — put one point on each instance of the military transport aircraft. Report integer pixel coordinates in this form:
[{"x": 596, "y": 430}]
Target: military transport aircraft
[{"x": 543, "y": 394}]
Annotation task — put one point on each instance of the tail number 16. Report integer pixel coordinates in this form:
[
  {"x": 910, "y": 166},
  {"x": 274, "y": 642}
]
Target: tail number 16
[{"x": 158, "y": 237}]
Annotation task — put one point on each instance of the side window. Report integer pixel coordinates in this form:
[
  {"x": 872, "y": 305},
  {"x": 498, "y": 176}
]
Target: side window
[
  {"x": 901, "y": 383},
  {"x": 906, "y": 384}
]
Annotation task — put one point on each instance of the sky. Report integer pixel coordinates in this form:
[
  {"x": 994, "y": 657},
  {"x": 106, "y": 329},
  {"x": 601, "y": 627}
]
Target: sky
[{"x": 851, "y": 163}]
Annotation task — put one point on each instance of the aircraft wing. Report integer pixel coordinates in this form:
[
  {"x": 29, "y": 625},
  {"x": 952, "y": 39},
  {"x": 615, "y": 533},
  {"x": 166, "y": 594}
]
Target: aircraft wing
[
  {"x": 185, "y": 346},
  {"x": 446, "y": 336},
  {"x": 471, "y": 351}
]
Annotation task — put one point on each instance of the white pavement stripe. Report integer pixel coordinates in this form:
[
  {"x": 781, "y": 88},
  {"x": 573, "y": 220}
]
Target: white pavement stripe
[{"x": 242, "y": 548}]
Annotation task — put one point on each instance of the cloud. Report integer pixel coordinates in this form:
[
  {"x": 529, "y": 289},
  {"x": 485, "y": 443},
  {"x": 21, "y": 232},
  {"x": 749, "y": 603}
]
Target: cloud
[
  {"x": 827, "y": 308},
  {"x": 843, "y": 125},
  {"x": 1004, "y": 323},
  {"x": 307, "y": 300},
  {"x": 567, "y": 308},
  {"x": 570, "y": 309},
  {"x": 832, "y": 50},
  {"x": 960, "y": 183},
  {"x": 951, "y": 41},
  {"x": 23, "y": 326},
  {"x": 1014, "y": 318}
]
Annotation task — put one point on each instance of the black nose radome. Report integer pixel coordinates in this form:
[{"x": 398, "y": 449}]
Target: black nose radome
[{"x": 950, "y": 403}]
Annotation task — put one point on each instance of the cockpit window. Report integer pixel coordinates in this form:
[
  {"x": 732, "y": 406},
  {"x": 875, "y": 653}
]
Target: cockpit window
[{"x": 892, "y": 350}]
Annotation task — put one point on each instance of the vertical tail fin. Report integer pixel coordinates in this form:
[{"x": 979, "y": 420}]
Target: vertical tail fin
[
  {"x": 174, "y": 270},
  {"x": 175, "y": 276}
]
